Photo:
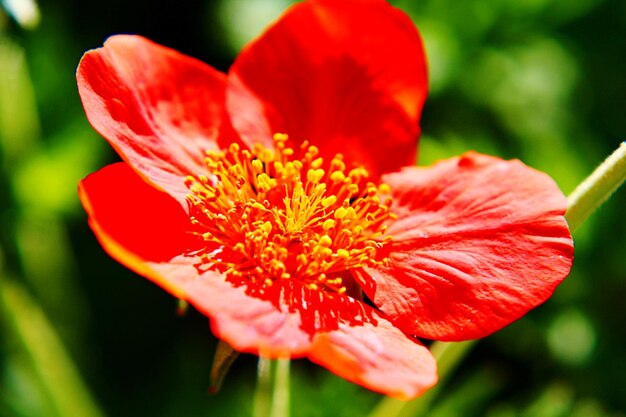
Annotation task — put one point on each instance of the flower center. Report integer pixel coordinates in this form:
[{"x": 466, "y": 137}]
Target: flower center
[{"x": 272, "y": 214}]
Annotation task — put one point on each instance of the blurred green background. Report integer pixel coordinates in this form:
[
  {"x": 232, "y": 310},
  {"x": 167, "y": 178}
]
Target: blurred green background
[{"x": 539, "y": 80}]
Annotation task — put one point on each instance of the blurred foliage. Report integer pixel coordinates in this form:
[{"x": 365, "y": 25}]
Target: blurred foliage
[{"x": 539, "y": 80}]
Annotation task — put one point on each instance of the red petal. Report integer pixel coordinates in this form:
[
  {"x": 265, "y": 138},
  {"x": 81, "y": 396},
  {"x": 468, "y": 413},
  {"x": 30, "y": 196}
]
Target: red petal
[
  {"x": 338, "y": 332},
  {"x": 248, "y": 320},
  {"x": 377, "y": 356},
  {"x": 479, "y": 242},
  {"x": 158, "y": 108},
  {"x": 349, "y": 76},
  {"x": 277, "y": 320},
  {"x": 140, "y": 226}
]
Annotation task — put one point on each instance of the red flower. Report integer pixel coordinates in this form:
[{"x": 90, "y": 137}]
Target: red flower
[{"x": 276, "y": 238}]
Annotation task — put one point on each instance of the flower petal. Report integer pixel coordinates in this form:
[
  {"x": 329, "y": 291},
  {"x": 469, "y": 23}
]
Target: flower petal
[
  {"x": 289, "y": 320},
  {"x": 158, "y": 108},
  {"x": 479, "y": 241},
  {"x": 248, "y": 320},
  {"x": 349, "y": 76},
  {"x": 276, "y": 321},
  {"x": 141, "y": 227},
  {"x": 377, "y": 356}
]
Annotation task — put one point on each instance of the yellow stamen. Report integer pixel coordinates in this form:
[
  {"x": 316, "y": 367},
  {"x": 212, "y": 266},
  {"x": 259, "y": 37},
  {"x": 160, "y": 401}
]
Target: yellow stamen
[
  {"x": 325, "y": 241},
  {"x": 329, "y": 201},
  {"x": 328, "y": 224},
  {"x": 276, "y": 215}
]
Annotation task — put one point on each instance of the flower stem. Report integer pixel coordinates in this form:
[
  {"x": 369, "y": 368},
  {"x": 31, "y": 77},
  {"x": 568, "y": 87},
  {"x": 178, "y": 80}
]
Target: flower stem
[
  {"x": 448, "y": 355},
  {"x": 280, "y": 399},
  {"x": 596, "y": 188},
  {"x": 271, "y": 398},
  {"x": 263, "y": 392}
]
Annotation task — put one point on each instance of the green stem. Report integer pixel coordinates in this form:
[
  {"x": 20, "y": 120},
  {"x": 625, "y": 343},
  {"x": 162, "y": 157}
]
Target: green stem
[
  {"x": 280, "y": 399},
  {"x": 596, "y": 188},
  {"x": 263, "y": 391},
  {"x": 271, "y": 398}
]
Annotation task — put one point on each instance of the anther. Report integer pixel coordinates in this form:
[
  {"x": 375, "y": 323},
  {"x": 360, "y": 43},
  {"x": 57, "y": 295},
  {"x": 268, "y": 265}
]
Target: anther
[
  {"x": 329, "y": 201},
  {"x": 315, "y": 175},
  {"x": 350, "y": 214},
  {"x": 340, "y": 213},
  {"x": 384, "y": 189},
  {"x": 257, "y": 165},
  {"x": 325, "y": 241},
  {"x": 280, "y": 137},
  {"x": 337, "y": 177},
  {"x": 233, "y": 148}
]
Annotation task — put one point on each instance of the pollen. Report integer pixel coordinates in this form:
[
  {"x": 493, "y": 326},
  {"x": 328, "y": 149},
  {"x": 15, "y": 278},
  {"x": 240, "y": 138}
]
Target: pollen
[{"x": 274, "y": 214}]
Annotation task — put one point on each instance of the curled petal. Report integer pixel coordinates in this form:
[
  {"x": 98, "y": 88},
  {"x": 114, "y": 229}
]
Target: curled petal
[
  {"x": 339, "y": 332},
  {"x": 280, "y": 320},
  {"x": 377, "y": 356},
  {"x": 141, "y": 227},
  {"x": 349, "y": 76},
  {"x": 479, "y": 241},
  {"x": 157, "y": 107},
  {"x": 248, "y": 320}
]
